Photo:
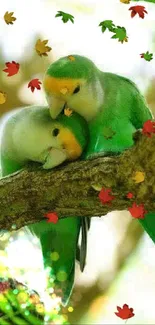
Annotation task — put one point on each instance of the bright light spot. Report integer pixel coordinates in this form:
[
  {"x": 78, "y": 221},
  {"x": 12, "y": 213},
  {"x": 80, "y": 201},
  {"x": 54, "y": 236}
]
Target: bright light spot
[{"x": 70, "y": 309}]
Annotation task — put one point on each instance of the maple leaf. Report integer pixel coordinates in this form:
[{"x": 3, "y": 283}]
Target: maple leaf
[
  {"x": 65, "y": 17},
  {"x": 71, "y": 58},
  {"x": 148, "y": 128},
  {"x": 107, "y": 24},
  {"x": 34, "y": 83},
  {"x": 124, "y": 312},
  {"x": 68, "y": 111},
  {"x": 52, "y": 217},
  {"x": 12, "y": 68},
  {"x": 137, "y": 211},
  {"x": 120, "y": 33},
  {"x": 8, "y": 17},
  {"x": 147, "y": 56},
  {"x": 108, "y": 132},
  {"x": 140, "y": 10},
  {"x": 105, "y": 196},
  {"x": 139, "y": 177},
  {"x": 2, "y": 97},
  {"x": 42, "y": 48},
  {"x": 129, "y": 195},
  {"x": 125, "y": 1}
]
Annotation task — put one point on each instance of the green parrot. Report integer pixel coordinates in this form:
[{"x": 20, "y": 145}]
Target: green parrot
[
  {"x": 31, "y": 135},
  {"x": 111, "y": 104}
]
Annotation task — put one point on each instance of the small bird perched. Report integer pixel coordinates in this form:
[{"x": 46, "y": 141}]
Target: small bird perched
[
  {"x": 31, "y": 135},
  {"x": 111, "y": 104}
]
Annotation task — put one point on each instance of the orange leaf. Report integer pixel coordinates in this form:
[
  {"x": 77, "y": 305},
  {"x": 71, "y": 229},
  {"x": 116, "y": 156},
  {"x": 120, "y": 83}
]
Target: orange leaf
[
  {"x": 52, "y": 217},
  {"x": 137, "y": 211},
  {"x": 105, "y": 196},
  {"x": 125, "y": 312},
  {"x": 12, "y": 68},
  {"x": 140, "y": 10},
  {"x": 34, "y": 83}
]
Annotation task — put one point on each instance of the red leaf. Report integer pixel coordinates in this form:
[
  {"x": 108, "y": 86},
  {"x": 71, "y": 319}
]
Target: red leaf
[
  {"x": 12, "y": 68},
  {"x": 52, "y": 217},
  {"x": 34, "y": 83},
  {"x": 105, "y": 197},
  {"x": 129, "y": 195},
  {"x": 140, "y": 10},
  {"x": 137, "y": 211},
  {"x": 4, "y": 286},
  {"x": 125, "y": 312},
  {"x": 148, "y": 128}
]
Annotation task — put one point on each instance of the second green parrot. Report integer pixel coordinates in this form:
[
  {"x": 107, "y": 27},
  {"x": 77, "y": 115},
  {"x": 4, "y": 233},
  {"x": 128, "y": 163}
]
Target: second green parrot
[{"x": 111, "y": 104}]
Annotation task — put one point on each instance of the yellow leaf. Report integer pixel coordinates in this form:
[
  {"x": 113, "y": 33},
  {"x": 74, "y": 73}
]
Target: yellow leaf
[
  {"x": 139, "y": 177},
  {"x": 42, "y": 48},
  {"x": 97, "y": 187},
  {"x": 8, "y": 17},
  {"x": 68, "y": 111},
  {"x": 125, "y": 1},
  {"x": 64, "y": 91},
  {"x": 2, "y": 97},
  {"x": 71, "y": 58}
]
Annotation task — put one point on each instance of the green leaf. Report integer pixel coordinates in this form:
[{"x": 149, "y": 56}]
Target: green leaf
[
  {"x": 107, "y": 24},
  {"x": 120, "y": 34},
  {"x": 65, "y": 17}
]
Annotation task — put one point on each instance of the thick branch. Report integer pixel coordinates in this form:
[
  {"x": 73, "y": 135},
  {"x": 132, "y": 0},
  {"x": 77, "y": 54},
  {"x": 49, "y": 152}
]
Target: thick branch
[{"x": 68, "y": 190}]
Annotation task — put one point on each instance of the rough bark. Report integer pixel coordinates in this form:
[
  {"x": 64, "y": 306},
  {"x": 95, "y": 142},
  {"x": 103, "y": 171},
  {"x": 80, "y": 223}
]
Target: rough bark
[{"x": 68, "y": 190}]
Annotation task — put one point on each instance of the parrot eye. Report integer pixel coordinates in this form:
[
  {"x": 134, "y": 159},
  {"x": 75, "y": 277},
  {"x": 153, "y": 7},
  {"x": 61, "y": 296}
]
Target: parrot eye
[
  {"x": 55, "y": 132},
  {"x": 76, "y": 90}
]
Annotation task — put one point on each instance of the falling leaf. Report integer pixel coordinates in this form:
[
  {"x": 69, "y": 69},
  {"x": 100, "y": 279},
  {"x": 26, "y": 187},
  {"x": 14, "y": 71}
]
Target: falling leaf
[
  {"x": 125, "y": 1},
  {"x": 129, "y": 195},
  {"x": 8, "y": 17},
  {"x": 68, "y": 112},
  {"x": 71, "y": 58},
  {"x": 120, "y": 34},
  {"x": 42, "y": 48},
  {"x": 137, "y": 211},
  {"x": 148, "y": 128},
  {"x": 124, "y": 312},
  {"x": 52, "y": 217},
  {"x": 107, "y": 24},
  {"x": 147, "y": 56},
  {"x": 140, "y": 10},
  {"x": 2, "y": 97},
  {"x": 97, "y": 187},
  {"x": 139, "y": 177},
  {"x": 12, "y": 68},
  {"x": 34, "y": 83},
  {"x": 105, "y": 196},
  {"x": 65, "y": 17},
  {"x": 108, "y": 132},
  {"x": 4, "y": 285}
]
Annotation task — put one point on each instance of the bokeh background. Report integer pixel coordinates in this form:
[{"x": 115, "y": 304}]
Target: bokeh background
[{"x": 121, "y": 258}]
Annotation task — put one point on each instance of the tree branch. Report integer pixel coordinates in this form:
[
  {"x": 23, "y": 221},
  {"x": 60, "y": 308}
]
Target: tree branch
[{"x": 27, "y": 195}]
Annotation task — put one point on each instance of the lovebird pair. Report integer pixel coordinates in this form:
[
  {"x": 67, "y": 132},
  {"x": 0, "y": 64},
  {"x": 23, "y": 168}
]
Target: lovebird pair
[{"x": 104, "y": 101}]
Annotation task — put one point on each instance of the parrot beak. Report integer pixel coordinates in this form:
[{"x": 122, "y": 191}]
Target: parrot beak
[
  {"x": 56, "y": 105},
  {"x": 54, "y": 158}
]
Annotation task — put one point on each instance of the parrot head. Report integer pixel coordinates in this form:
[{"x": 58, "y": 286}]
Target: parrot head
[
  {"x": 69, "y": 138},
  {"x": 73, "y": 81}
]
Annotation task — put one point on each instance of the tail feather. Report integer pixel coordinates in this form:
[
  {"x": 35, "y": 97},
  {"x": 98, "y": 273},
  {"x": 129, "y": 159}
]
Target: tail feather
[
  {"x": 61, "y": 238},
  {"x": 148, "y": 224}
]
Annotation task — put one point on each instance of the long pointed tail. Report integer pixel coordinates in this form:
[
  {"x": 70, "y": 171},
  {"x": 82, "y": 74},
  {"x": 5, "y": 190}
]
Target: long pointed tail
[
  {"x": 59, "y": 243},
  {"x": 148, "y": 224}
]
